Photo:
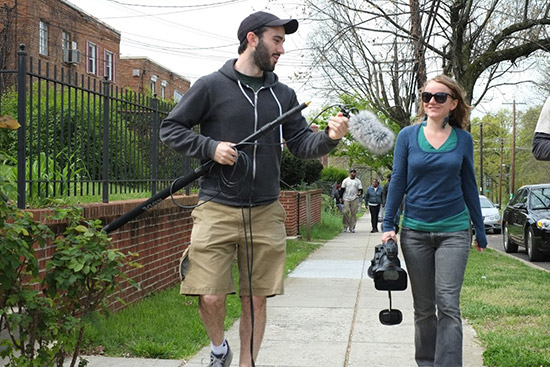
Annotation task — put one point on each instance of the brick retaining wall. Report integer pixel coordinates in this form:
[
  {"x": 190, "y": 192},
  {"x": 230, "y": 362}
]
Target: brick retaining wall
[{"x": 161, "y": 234}]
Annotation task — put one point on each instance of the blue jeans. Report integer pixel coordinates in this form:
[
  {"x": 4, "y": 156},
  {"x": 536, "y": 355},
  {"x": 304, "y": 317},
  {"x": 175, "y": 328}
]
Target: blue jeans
[{"x": 436, "y": 262}]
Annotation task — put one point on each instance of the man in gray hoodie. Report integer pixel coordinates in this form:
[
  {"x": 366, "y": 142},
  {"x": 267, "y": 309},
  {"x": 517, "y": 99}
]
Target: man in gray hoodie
[{"x": 238, "y": 210}]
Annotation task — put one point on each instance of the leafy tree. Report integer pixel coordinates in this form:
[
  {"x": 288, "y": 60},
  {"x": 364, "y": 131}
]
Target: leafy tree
[
  {"x": 292, "y": 172},
  {"x": 312, "y": 170},
  {"x": 333, "y": 174},
  {"x": 497, "y": 143},
  {"x": 352, "y": 149},
  {"x": 497, "y": 147},
  {"x": 296, "y": 171}
]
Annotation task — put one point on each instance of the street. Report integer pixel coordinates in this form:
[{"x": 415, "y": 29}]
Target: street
[{"x": 495, "y": 242}]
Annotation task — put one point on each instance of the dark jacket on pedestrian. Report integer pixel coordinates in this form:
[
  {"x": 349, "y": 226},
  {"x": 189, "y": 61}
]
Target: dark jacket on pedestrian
[
  {"x": 229, "y": 110},
  {"x": 541, "y": 146},
  {"x": 373, "y": 196}
]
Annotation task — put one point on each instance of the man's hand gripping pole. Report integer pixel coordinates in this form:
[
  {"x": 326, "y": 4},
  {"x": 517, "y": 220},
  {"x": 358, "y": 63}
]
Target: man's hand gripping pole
[{"x": 183, "y": 181}]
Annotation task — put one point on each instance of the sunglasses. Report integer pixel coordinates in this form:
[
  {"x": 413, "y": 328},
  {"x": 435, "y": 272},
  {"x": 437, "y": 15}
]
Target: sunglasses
[{"x": 440, "y": 97}]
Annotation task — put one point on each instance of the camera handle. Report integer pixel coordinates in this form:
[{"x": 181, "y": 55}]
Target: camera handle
[{"x": 389, "y": 316}]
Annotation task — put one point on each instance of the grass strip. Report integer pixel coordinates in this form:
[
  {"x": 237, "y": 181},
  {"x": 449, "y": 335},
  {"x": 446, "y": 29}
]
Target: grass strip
[
  {"x": 166, "y": 324},
  {"x": 508, "y": 304},
  {"x": 506, "y": 301}
]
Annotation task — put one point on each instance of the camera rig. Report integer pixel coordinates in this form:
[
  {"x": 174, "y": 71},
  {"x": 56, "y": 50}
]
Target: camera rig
[
  {"x": 387, "y": 273},
  {"x": 183, "y": 181}
]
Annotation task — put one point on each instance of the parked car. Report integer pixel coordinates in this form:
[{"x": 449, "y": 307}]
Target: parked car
[
  {"x": 491, "y": 215},
  {"x": 526, "y": 221}
]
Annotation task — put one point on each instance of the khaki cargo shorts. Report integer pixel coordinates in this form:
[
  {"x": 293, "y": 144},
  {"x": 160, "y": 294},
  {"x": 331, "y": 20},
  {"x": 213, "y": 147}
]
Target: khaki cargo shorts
[{"x": 255, "y": 236}]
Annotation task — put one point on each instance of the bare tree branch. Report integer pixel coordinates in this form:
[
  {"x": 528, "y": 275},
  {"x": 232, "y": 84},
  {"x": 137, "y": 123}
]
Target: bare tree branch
[{"x": 383, "y": 51}]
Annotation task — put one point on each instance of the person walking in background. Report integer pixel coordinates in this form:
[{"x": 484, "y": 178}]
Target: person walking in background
[
  {"x": 373, "y": 202},
  {"x": 352, "y": 190},
  {"x": 541, "y": 140},
  {"x": 385, "y": 190},
  {"x": 337, "y": 197},
  {"x": 433, "y": 166},
  {"x": 239, "y": 211}
]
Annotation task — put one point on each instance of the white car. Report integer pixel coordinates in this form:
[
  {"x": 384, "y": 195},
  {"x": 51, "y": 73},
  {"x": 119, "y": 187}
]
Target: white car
[{"x": 491, "y": 215}]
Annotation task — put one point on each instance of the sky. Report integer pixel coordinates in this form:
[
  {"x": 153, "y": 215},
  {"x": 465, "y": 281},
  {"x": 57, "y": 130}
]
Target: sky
[{"x": 195, "y": 37}]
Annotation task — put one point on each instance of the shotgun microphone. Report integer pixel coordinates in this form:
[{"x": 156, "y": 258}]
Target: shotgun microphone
[
  {"x": 200, "y": 171},
  {"x": 371, "y": 133}
]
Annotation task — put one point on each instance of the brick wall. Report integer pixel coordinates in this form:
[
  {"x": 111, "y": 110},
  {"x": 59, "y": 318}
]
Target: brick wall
[
  {"x": 147, "y": 68},
  {"x": 295, "y": 206},
  {"x": 61, "y": 16},
  {"x": 161, "y": 234}
]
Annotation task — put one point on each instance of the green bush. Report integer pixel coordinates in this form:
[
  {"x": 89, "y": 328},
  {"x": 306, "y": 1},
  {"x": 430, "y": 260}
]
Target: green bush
[
  {"x": 333, "y": 174},
  {"x": 41, "y": 316},
  {"x": 298, "y": 172},
  {"x": 313, "y": 169},
  {"x": 67, "y": 123}
]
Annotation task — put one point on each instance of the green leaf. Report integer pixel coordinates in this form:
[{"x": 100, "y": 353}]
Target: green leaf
[
  {"x": 78, "y": 267},
  {"x": 111, "y": 255},
  {"x": 81, "y": 228}
]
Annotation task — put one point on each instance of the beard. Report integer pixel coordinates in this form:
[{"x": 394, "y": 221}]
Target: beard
[{"x": 262, "y": 57}]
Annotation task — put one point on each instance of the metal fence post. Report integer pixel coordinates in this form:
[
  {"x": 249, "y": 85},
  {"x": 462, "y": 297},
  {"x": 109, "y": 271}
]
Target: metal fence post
[
  {"x": 22, "y": 119},
  {"x": 106, "y": 109},
  {"x": 155, "y": 145}
]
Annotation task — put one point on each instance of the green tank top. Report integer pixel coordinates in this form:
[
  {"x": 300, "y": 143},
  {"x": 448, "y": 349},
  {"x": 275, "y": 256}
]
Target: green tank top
[{"x": 458, "y": 222}]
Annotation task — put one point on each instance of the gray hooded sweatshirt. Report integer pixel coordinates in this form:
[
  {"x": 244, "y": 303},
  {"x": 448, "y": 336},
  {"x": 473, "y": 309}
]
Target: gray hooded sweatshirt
[{"x": 228, "y": 110}]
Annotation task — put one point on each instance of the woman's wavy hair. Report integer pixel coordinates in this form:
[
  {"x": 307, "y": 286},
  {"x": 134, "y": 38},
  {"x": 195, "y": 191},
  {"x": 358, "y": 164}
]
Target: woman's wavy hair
[{"x": 460, "y": 116}]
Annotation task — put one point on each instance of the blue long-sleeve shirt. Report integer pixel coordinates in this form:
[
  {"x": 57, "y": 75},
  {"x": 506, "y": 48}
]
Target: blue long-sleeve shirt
[
  {"x": 438, "y": 184},
  {"x": 374, "y": 196}
]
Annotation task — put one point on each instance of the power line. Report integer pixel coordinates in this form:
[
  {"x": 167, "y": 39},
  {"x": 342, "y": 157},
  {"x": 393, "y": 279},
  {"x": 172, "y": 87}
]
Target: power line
[{"x": 200, "y": 6}]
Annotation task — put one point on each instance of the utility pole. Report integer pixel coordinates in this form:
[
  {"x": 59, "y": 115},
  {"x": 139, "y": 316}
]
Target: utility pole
[
  {"x": 513, "y": 164},
  {"x": 500, "y": 173},
  {"x": 481, "y": 157},
  {"x": 513, "y": 155}
]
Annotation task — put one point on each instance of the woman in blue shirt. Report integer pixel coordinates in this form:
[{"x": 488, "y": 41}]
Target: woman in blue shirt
[{"x": 433, "y": 168}]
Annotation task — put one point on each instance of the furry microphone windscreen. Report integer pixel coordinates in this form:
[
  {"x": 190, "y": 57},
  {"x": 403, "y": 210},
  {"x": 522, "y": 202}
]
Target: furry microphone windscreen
[{"x": 371, "y": 133}]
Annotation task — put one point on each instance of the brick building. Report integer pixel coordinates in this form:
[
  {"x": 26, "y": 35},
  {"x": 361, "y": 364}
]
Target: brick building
[
  {"x": 57, "y": 32},
  {"x": 64, "y": 36},
  {"x": 145, "y": 76}
]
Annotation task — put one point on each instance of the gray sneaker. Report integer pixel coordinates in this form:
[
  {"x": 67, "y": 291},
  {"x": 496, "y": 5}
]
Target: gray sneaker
[{"x": 223, "y": 360}]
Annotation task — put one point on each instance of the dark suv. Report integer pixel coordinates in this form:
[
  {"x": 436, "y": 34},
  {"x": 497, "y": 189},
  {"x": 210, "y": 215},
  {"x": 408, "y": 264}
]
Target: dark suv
[{"x": 526, "y": 221}]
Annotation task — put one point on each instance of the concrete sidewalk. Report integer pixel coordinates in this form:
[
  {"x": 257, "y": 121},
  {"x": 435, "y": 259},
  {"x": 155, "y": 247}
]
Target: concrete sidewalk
[{"x": 328, "y": 316}]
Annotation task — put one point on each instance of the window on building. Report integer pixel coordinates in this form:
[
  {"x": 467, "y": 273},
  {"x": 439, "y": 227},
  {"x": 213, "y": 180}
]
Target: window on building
[
  {"x": 92, "y": 59},
  {"x": 43, "y": 39},
  {"x": 154, "y": 79},
  {"x": 65, "y": 41},
  {"x": 109, "y": 65},
  {"x": 163, "y": 89},
  {"x": 177, "y": 96}
]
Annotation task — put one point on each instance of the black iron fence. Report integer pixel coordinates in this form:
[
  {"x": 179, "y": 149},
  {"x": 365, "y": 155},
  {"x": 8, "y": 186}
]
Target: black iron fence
[{"x": 83, "y": 136}]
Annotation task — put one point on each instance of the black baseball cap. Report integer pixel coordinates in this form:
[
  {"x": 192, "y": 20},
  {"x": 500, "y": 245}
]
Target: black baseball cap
[
  {"x": 353, "y": 170},
  {"x": 264, "y": 19}
]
